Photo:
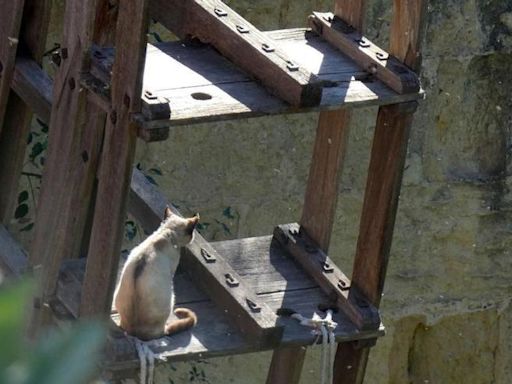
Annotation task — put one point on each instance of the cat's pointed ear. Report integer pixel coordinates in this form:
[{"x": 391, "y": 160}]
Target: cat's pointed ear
[
  {"x": 167, "y": 213},
  {"x": 192, "y": 222}
]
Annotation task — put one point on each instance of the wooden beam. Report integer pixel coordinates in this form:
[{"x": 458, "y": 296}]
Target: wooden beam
[
  {"x": 69, "y": 169},
  {"x": 17, "y": 118},
  {"x": 10, "y": 23},
  {"x": 213, "y": 22},
  {"x": 147, "y": 203},
  {"x": 366, "y": 54},
  {"x": 327, "y": 275},
  {"x": 116, "y": 160},
  {"x": 321, "y": 192},
  {"x": 383, "y": 184}
]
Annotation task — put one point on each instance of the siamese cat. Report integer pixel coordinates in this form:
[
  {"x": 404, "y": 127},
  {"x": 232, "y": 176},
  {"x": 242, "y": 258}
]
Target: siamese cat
[{"x": 144, "y": 297}]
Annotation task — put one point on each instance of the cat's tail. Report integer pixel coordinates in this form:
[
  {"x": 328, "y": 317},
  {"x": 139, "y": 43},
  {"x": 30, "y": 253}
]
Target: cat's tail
[{"x": 186, "y": 319}]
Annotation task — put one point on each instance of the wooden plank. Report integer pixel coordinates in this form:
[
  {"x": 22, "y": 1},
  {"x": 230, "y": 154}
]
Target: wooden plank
[
  {"x": 147, "y": 204},
  {"x": 16, "y": 120},
  {"x": 381, "y": 200},
  {"x": 366, "y": 54},
  {"x": 116, "y": 160},
  {"x": 10, "y": 22},
  {"x": 327, "y": 275},
  {"x": 68, "y": 172},
  {"x": 215, "y": 334},
  {"x": 214, "y": 22},
  {"x": 200, "y": 85}
]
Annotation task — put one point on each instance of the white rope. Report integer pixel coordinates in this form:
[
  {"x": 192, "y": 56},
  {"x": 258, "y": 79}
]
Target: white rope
[
  {"x": 147, "y": 361},
  {"x": 324, "y": 327}
]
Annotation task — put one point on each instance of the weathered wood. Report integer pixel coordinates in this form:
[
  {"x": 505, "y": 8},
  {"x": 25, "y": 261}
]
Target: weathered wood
[
  {"x": 16, "y": 121},
  {"x": 213, "y": 22},
  {"x": 366, "y": 54},
  {"x": 383, "y": 184},
  {"x": 67, "y": 174},
  {"x": 10, "y": 22},
  {"x": 13, "y": 259},
  {"x": 116, "y": 159},
  {"x": 324, "y": 175},
  {"x": 200, "y": 85},
  {"x": 255, "y": 260},
  {"x": 327, "y": 275},
  {"x": 147, "y": 204}
]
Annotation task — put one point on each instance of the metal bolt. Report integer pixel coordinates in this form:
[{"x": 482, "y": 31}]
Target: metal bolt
[
  {"x": 294, "y": 232},
  {"x": 342, "y": 284},
  {"x": 220, "y": 12},
  {"x": 231, "y": 281},
  {"x": 328, "y": 268},
  {"x": 363, "y": 43},
  {"x": 292, "y": 67},
  {"x": 149, "y": 95},
  {"x": 382, "y": 56},
  {"x": 267, "y": 47},
  {"x": 207, "y": 256},
  {"x": 242, "y": 29},
  {"x": 253, "y": 306}
]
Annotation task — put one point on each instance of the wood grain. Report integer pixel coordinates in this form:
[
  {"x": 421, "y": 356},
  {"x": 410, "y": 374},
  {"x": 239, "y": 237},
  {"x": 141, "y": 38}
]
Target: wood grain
[
  {"x": 116, "y": 159},
  {"x": 376, "y": 61},
  {"x": 16, "y": 120},
  {"x": 383, "y": 185},
  {"x": 69, "y": 169},
  {"x": 213, "y": 22},
  {"x": 321, "y": 191},
  {"x": 10, "y": 23}
]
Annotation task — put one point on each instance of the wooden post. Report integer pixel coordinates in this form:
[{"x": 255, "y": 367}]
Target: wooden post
[
  {"x": 321, "y": 194},
  {"x": 17, "y": 118},
  {"x": 74, "y": 141},
  {"x": 383, "y": 185},
  {"x": 116, "y": 159},
  {"x": 10, "y": 22}
]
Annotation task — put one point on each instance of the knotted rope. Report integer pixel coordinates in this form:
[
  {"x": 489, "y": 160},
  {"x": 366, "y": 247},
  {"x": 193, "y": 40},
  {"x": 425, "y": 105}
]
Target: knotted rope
[{"x": 325, "y": 328}]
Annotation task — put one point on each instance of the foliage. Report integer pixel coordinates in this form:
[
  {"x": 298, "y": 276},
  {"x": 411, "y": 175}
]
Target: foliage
[{"x": 68, "y": 357}]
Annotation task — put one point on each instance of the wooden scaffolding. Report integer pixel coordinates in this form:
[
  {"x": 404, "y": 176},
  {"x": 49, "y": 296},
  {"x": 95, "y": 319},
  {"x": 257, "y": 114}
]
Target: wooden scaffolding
[{"x": 112, "y": 88}]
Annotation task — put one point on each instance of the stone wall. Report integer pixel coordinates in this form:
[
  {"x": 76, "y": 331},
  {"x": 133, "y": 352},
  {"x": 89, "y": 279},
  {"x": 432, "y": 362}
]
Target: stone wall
[{"x": 447, "y": 297}]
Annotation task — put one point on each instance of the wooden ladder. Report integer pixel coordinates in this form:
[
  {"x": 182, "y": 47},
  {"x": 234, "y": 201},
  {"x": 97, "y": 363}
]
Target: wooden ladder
[{"x": 103, "y": 99}]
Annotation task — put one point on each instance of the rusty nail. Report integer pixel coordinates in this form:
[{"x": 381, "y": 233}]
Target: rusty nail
[{"x": 220, "y": 12}]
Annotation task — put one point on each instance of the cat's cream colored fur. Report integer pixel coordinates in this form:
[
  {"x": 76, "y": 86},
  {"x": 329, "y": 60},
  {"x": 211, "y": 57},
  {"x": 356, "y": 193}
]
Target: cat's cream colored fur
[{"x": 144, "y": 297}]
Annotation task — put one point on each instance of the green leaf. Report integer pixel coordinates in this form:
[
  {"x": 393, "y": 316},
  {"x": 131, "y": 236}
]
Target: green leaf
[
  {"x": 37, "y": 149},
  {"x": 21, "y": 211},
  {"x": 13, "y": 304},
  {"x": 23, "y": 196},
  {"x": 67, "y": 357},
  {"x": 155, "y": 171},
  {"x": 27, "y": 228},
  {"x": 227, "y": 213}
]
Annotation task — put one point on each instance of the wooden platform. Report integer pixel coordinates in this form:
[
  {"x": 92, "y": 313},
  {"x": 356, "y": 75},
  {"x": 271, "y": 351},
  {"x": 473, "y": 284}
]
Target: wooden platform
[
  {"x": 277, "y": 280},
  {"x": 199, "y": 85}
]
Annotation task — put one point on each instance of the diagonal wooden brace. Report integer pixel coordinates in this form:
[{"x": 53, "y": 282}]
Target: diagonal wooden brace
[
  {"x": 213, "y": 22},
  {"x": 206, "y": 266},
  {"x": 369, "y": 56},
  {"x": 330, "y": 278}
]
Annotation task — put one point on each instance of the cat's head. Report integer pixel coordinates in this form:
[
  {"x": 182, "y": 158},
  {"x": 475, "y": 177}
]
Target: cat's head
[{"x": 182, "y": 228}]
